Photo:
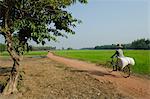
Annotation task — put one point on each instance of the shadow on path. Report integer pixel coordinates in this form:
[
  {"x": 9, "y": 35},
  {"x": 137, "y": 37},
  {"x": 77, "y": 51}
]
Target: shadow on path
[
  {"x": 95, "y": 72},
  {"x": 4, "y": 71}
]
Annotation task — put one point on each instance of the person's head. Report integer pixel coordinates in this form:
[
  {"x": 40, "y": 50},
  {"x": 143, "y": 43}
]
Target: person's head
[{"x": 119, "y": 46}]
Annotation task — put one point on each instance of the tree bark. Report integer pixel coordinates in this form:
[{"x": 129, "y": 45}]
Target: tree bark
[{"x": 11, "y": 86}]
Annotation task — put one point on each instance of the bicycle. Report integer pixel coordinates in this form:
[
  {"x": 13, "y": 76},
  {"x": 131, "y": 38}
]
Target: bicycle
[{"x": 125, "y": 71}]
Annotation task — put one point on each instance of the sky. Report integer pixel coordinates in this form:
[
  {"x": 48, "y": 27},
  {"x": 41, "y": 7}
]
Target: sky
[{"x": 107, "y": 22}]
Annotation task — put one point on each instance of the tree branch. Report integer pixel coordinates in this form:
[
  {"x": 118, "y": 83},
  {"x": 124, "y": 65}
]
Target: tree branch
[
  {"x": 2, "y": 30},
  {"x": 3, "y": 5}
]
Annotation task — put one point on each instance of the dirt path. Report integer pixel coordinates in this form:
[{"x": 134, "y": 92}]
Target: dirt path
[
  {"x": 133, "y": 86},
  {"x": 43, "y": 78}
]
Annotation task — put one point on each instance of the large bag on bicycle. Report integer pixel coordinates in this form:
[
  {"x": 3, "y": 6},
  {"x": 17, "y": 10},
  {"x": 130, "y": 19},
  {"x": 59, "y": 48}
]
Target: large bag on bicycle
[{"x": 124, "y": 61}]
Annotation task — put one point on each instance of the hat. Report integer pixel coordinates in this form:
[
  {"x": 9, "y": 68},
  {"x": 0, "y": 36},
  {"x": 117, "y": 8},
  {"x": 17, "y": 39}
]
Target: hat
[{"x": 119, "y": 46}]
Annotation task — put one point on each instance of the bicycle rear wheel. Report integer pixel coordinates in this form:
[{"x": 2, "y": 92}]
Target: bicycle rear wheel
[{"x": 126, "y": 71}]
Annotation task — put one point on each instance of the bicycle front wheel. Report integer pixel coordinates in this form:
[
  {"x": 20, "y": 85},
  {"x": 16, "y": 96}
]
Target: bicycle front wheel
[
  {"x": 126, "y": 71},
  {"x": 108, "y": 64}
]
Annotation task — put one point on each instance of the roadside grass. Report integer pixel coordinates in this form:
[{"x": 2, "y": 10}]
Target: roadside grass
[{"x": 142, "y": 58}]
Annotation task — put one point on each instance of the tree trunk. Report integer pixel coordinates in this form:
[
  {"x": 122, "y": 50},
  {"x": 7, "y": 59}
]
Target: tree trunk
[{"x": 11, "y": 86}]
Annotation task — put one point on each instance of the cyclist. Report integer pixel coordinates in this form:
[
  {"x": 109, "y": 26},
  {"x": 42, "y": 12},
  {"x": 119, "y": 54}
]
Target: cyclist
[{"x": 118, "y": 54}]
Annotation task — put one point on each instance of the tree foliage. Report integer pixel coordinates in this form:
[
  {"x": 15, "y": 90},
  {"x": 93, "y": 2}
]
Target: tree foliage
[
  {"x": 37, "y": 20},
  {"x": 2, "y": 47},
  {"x": 141, "y": 44}
]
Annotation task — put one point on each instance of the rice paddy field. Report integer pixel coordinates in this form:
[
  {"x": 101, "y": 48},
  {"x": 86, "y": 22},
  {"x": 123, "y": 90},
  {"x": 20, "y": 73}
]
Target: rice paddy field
[{"x": 142, "y": 58}]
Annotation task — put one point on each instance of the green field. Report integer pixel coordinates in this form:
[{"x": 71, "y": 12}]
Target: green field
[
  {"x": 5, "y": 54},
  {"x": 142, "y": 57},
  {"x": 31, "y": 53}
]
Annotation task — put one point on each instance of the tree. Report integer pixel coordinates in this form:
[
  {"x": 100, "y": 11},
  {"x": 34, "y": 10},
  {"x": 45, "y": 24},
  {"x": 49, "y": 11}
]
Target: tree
[
  {"x": 105, "y": 47},
  {"x": 141, "y": 44},
  {"x": 37, "y": 20},
  {"x": 136, "y": 44},
  {"x": 69, "y": 48}
]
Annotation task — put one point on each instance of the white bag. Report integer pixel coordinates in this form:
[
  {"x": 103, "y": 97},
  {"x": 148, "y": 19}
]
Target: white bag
[{"x": 124, "y": 61}]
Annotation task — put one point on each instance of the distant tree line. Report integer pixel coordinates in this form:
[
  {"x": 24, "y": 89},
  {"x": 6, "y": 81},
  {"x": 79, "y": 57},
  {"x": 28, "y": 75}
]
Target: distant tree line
[
  {"x": 69, "y": 48},
  {"x": 41, "y": 48},
  {"x": 105, "y": 47},
  {"x": 136, "y": 44},
  {"x": 88, "y": 48},
  {"x": 139, "y": 44},
  {"x": 2, "y": 47},
  {"x": 30, "y": 48}
]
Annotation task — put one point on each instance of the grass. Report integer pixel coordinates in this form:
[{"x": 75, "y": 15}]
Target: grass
[
  {"x": 142, "y": 57},
  {"x": 36, "y": 53},
  {"x": 5, "y": 55},
  {"x": 30, "y": 53}
]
